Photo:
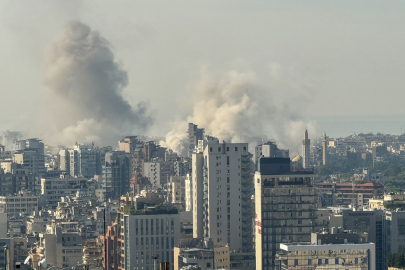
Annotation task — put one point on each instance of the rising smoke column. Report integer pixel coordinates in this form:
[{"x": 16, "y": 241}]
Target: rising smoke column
[
  {"x": 86, "y": 84},
  {"x": 235, "y": 108}
]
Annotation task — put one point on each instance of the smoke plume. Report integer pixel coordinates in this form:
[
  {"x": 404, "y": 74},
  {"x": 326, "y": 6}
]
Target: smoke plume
[
  {"x": 235, "y": 108},
  {"x": 86, "y": 83}
]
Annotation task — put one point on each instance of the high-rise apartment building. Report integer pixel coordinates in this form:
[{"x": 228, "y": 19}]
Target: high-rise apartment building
[
  {"x": 395, "y": 221},
  {"x": 270, "y": 149},
  {"x": 194, "y": 135},
  {"x": 285, "y": 206},
  {"x": 188, "y": 193},
  {"x": 128, "y": 144},
  {"x": 53, "y": 189},
  {"x": 64, "y": 160},
  {"x": 31, "y": 160},
  {"x": 116, "y": 173},
  {"x": 147, "y": 234},
  {"x": 306, "y": 147},
  {"x": 176, "y": 190},
  {"x": 86, "y": 156},
  {"x": 222, "y": 189},
  {"x": 83, "y": 160},
  {"x": 29, "y": 144},
  {"x": 373, "y": 223}
]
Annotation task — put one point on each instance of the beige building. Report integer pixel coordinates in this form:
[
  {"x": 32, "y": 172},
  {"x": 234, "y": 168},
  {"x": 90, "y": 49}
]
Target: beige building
[
  {"x": 31, "y": 160},
  {"x": 195, "y": 253},
  {"x": 24, "y": 202},
  {"x": 335, "y": 256},
  {"x": 377, "y": 204},
  {"x": 176, "y": 190},
  {"x": 53, "y": 189},
  {"x": 61, "y": 248}
]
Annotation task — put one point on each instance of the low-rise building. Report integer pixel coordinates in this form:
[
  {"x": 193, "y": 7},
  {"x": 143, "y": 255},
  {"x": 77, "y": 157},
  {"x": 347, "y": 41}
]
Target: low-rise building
[
  {"x": 201, "y": 255},
  {"x": 23, "y": 202},
  {"x": 53, "y": 189},
  {"x": 61, "y": 248},
  {"x": 334, "y": 256},
  {"x": 347, "y": 193}
]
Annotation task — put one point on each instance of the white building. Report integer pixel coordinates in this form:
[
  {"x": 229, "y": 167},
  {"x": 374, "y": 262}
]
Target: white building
[
  {"x": 189, "y": 193},
  {"x": 221, "y": 193}
]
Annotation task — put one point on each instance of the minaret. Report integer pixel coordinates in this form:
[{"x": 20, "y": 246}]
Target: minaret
[
  {"x": 306, "y": 144},
  {"x": 325, "y": 149}
]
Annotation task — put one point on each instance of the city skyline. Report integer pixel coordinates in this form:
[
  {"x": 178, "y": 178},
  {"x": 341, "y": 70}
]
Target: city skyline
[{"x": 297, "y": 55}]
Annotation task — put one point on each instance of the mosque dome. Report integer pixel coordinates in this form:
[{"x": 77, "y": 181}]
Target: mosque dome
[{"x": 297, "y": 159}]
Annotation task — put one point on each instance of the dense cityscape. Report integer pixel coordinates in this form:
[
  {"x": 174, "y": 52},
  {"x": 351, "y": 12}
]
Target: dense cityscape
[
  {"x": 202, "y": 135},
  {"x": 138, "y": 205}
]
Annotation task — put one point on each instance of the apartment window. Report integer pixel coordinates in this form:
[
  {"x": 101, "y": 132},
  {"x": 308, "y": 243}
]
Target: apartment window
[
  {"x": 295, "y": 262},
  {"x": 356, "y": 260},
  {"x": 227, "y": 149},
  {"x": 244, "y": 148},
  {"x": 336, "y": 261},
  {"x": 319, "y": 261},
  {"x": 326, "y": 261},
  {"x": 227, "y": 160},
  {"x": 219, "y": 149},
  {"x": 309, "y": 261},
  {"x": 210, "y": 149},
  {"x": 236, "y": 148},
  {"x": 365, "y": 260}
]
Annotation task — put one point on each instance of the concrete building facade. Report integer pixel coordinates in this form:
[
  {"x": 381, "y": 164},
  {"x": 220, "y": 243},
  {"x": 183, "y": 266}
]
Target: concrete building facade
[
  {"x": 146, "y": 235},
  {"x": 52, "y": 189},
  {"x": 335, "y": 256},
  {"x": 285, "y": 207},
  {"x": 21, "y": 203},
  {"x": 222, "y": 190}
]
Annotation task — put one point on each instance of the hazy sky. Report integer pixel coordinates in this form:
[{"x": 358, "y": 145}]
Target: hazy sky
[{"x": 346, "y": 57}]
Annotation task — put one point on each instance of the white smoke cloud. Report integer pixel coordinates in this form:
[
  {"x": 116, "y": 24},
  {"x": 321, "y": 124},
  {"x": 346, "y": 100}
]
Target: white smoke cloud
[
  {"x": 85, "y": 84},
  {"x": 235, "y": 108}
]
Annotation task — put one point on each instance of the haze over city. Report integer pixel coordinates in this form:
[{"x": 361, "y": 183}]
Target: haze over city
[
  {"x": 306, "y": 62},
  {"x": 200, "y": 135}
]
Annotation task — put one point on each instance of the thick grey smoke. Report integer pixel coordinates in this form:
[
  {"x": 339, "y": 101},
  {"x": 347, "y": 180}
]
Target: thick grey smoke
[
  {"x": 235, "y": 108},
  {"x": 86, "y": 84}
]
